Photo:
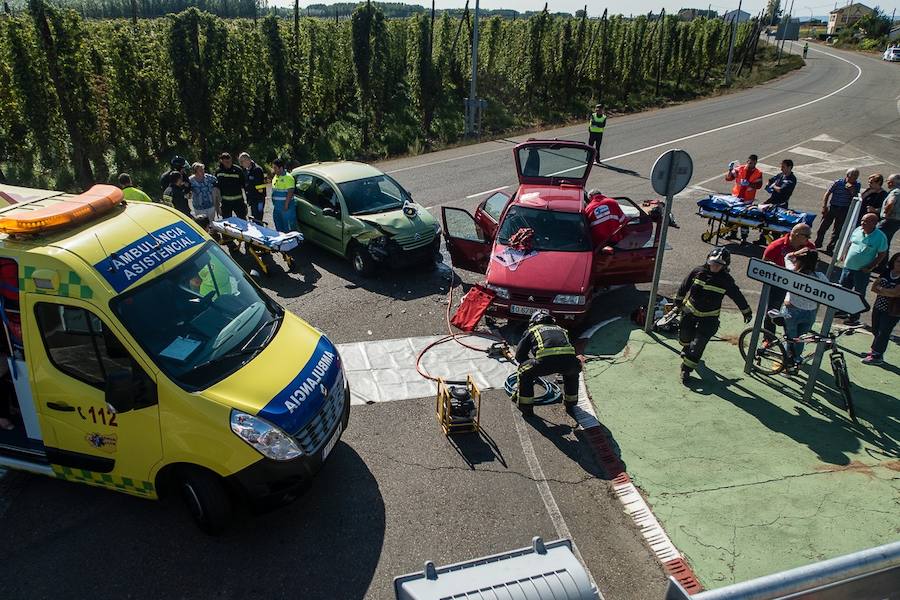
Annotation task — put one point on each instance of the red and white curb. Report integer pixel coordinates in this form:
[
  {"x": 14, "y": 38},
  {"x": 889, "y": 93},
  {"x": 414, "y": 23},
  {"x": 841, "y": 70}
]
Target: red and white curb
[{"x": 635, "y": 506}]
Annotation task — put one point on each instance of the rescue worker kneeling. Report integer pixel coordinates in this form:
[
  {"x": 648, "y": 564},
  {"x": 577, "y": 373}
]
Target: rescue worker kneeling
[
  {"x": 700, "y": 300},
  {"x": 551, "y": 352}
]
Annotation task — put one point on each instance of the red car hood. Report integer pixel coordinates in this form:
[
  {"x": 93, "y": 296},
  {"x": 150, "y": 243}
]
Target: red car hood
[{"x": 555, "y": 272}]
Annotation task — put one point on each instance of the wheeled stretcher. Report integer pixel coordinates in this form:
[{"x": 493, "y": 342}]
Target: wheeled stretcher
[
  {"x": 259, "y": 240},
  {"x": 726, "y": 214}
]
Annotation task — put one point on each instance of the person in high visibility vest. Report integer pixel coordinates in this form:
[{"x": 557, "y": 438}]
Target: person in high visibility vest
[
  {"x": 284, "y": 210},
  {"x": 747, "y": 179},
  {"x": 595, "y": 129},
  {"x": 129, "y": 192},
  {"x": 545, "y": 349},
  {"x": 700, "y": 301}
]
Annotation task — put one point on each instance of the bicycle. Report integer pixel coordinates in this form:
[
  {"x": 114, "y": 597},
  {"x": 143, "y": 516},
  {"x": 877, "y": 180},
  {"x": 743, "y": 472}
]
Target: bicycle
[{"x": 773, "y": 356}]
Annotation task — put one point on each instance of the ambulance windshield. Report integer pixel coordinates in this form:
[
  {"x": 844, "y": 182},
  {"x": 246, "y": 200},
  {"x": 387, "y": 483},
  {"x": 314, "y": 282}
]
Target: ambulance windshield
[{"x": 208, "y": 319}]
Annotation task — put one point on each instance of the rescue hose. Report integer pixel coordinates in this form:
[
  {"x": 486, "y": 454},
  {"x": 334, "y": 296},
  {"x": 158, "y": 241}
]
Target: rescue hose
[{"x": 552, "y": 390}]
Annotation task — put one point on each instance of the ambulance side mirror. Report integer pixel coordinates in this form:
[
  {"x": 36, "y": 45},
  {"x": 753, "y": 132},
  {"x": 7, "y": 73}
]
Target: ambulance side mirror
[{"x": 120, "y": 390}]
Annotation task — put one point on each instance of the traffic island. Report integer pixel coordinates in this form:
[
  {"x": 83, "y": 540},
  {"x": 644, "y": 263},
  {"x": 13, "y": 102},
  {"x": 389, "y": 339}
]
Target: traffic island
[{"x": 745, "y": 478}]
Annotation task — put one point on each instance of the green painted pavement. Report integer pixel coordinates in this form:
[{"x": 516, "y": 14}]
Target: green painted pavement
[{"x": 745, "y": 478}]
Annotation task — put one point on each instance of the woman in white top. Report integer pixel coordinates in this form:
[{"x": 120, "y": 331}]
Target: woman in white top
[{"x": 799, "y": 312}]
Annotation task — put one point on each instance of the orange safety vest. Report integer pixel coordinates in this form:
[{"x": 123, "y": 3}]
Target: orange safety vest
[{"x": 746, "y": 192}]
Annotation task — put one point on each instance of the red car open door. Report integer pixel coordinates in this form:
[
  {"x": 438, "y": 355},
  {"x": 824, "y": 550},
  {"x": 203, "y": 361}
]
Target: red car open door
[
  {"x": 634, "y": 256},
  {"x": 467, "y": 242}
]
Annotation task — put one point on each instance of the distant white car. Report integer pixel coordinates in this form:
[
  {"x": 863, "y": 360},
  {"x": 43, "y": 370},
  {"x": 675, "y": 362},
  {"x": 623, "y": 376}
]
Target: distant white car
[{"x": 891, "y": 54}]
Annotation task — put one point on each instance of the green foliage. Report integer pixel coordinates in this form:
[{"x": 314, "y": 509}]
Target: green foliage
[{"x": 84, "y": 100}]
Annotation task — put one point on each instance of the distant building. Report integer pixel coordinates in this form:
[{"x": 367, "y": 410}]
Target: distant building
[
  {"x": 740, "y": 15},
  {"x": 846, "y": 16},
  {"x": 689, "y": 14}
]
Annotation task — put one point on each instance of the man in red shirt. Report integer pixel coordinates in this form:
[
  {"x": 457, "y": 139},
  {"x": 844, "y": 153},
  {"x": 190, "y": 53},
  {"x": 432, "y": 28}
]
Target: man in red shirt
[
  {"x": 747, "y": 179},
  {"x": 781, "y": 252},
  {"x": 605, "y": 217}
]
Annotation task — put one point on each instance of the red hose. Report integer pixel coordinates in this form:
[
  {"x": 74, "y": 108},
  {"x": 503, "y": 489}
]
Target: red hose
[{"x": 451, "y": 335}]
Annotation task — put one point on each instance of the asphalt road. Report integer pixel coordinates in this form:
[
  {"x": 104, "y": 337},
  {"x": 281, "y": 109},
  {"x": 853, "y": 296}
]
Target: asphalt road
[{"x": 396, "y": 493}]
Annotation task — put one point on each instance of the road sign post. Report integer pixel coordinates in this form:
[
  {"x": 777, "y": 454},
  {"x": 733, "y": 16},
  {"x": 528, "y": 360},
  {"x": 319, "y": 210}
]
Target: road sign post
[
  {"x": 671, "y": 173},
  {"x": 759, "y": 319},
  {"x": 833, "y": 296}
]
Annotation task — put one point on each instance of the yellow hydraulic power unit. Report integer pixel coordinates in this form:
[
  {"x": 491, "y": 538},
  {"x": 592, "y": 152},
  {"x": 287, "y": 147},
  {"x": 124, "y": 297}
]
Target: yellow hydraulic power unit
[{"x": 458, "y": 406}]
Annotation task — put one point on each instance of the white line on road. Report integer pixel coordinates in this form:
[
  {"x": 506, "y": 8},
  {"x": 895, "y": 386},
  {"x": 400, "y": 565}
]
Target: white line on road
[
  {"x": 499, "y": 189},
  {"x": 537, "y": 474},
  {"x": 446, "y": 160},
  {"x": 745, "y": 121}
]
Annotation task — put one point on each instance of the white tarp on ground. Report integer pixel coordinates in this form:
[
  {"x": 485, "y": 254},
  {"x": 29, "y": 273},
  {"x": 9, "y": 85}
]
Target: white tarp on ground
[{"x": 385, "y": 370}]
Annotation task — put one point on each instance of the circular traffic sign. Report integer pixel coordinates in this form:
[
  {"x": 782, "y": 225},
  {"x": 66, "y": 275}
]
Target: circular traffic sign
[{"x": 671, "y": 172}]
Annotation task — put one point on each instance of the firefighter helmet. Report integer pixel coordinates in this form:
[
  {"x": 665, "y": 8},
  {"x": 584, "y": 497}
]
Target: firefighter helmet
[
  {"x": 541, "y": 317},
  {"x": 719, "y": 255}
]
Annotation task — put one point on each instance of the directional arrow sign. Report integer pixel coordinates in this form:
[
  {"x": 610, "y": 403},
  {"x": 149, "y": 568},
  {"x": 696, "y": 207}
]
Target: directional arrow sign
[{"x": 812, "y": 288}]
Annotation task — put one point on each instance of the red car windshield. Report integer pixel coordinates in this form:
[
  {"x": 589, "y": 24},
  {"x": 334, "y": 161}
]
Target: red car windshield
[{"x": 553, "y": 231}]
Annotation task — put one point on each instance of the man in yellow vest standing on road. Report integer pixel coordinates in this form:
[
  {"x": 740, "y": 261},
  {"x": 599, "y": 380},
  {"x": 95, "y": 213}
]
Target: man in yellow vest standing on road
[{"x": 595, "y": 128}]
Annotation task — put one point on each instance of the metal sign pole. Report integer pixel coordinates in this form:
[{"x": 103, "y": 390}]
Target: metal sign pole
[
  {"x": 846, "y": 230},
  {"x": 660, "y": 251},
  {"x": 839, "y": 250},
  {"x": 757, "y": 325}
]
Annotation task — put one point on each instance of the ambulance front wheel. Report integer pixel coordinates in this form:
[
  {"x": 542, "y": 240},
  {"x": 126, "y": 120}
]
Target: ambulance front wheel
[{"x": 206, "y": 499}]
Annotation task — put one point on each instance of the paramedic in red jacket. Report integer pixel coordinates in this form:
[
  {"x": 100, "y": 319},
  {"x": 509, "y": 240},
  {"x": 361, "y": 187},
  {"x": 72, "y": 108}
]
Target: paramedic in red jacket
[
  {"x": 605, "y": 217},
  {"x": 747, "y": 179}
]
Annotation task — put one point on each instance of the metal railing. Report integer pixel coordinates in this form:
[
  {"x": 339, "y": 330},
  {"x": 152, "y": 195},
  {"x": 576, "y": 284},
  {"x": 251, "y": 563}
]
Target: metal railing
[{"x": 872, "y": 574}]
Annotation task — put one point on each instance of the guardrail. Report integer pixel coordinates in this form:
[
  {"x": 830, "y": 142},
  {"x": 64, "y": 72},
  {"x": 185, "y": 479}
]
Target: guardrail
[{"x": 872, "y": 574}]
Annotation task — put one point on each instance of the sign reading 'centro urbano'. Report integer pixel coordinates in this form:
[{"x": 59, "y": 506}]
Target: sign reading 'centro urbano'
[{"x": 812, "y": 288}]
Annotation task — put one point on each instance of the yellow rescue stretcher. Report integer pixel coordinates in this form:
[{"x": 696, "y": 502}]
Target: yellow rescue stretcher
[{"x": 259, "y": 240}]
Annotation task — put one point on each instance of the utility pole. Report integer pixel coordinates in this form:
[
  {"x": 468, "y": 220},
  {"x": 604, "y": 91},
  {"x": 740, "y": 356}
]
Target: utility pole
[
  {"x": 731, "y": 43},
  {"x": 472, "y": 100}
]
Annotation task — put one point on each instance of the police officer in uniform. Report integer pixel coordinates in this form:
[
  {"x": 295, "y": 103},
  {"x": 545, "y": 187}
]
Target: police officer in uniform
[
  {"x": 254, "y": 185},
  {"x": 231, "y": 186},
  {"x": 595, "y": 129},
  {"x": 544, "y": 350},
  {"x": 700, "y": 300}
]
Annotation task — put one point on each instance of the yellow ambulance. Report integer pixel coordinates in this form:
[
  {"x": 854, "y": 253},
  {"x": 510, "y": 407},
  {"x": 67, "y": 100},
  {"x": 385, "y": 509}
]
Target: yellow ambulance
[{"x": 139, "y": 357}]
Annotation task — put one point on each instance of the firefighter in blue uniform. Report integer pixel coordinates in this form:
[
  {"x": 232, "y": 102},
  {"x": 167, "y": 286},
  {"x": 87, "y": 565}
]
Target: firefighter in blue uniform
[
  {"x": 700, "y": 300},
  {"x": 545, "y": 349}
]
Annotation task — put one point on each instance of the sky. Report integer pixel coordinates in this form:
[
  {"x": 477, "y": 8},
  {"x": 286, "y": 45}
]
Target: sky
[{"x": 801, "y": 7}]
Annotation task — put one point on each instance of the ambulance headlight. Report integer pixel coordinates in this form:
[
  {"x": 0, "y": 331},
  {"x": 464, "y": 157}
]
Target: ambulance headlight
[
  {"x": 568, "y": 299},
  {"x": 269, "y": 440}
]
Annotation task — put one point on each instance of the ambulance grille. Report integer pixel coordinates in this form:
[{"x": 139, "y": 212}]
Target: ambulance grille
[{"x": 312, "y": 437}]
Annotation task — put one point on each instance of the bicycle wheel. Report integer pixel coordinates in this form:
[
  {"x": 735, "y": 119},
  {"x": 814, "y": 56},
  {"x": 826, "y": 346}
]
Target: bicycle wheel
[
  {"x": 842, "y": 381},
  {"x": 771, "y": 357}
]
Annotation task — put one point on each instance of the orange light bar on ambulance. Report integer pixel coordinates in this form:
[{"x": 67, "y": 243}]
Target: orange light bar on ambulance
[{"x": 52, "y": 213}]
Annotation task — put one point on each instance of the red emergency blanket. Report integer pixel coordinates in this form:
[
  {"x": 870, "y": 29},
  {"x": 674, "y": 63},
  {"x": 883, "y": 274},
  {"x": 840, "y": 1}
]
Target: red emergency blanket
[{"x": 473, "y": 306}]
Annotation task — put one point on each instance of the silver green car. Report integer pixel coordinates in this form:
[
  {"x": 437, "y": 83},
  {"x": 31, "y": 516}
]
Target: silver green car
[{"x": 356, "y": 211}]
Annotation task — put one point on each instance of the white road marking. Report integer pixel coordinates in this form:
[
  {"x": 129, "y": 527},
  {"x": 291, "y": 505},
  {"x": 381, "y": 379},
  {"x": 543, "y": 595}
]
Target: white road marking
[
  {"x": 812, "y": 153},
  {"x": 676, "y": 140},
  {"x": 447, "y": 160},
  {"x": 753, "y": 119},
  {"x": 824, "y": 138},
  {"x": 592, "y": 330},
  {"x": 537, "y": 474},
  {"x": 499, "y": 189}
]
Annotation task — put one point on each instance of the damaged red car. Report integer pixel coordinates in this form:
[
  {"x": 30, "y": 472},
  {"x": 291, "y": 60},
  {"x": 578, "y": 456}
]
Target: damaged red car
[{"x": 535, "y": 246}]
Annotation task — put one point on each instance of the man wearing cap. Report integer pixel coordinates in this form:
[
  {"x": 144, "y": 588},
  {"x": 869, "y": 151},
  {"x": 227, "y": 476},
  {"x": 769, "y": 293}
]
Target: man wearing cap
[
  {"x": 254, "y": 185},
  {"x": 178, "y": 163},
  {"x": 231, "y": 186},
  {"x": 596, "y": 126}
]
